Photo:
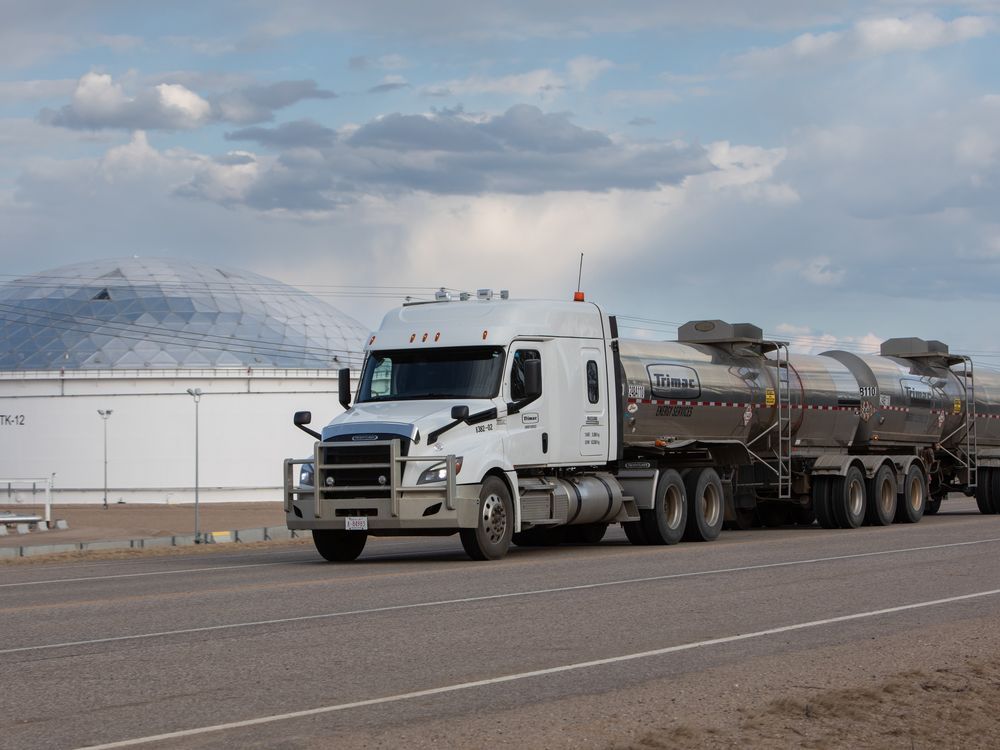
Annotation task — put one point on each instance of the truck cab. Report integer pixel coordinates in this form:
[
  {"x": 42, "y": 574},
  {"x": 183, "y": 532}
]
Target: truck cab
[{"x": 463, "y": 408}]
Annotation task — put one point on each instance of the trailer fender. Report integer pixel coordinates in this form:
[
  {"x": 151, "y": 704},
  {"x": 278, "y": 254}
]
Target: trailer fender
[
  {"x": 836, "y": 464},
  {"x": 902, "y": 465}
]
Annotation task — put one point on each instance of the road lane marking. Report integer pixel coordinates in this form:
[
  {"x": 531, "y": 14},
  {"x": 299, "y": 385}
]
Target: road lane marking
[
  {"x": 482, "y": 598},
  {"x": 536, "y": 673}
]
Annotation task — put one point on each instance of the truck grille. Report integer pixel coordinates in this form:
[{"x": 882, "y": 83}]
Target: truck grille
[{"x": 357, "y": 470}]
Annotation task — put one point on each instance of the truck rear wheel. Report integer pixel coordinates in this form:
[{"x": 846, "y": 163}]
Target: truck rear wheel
[
  {"x": 882, "y": 498},
  {"x": 665, "y": 522},
  {"x": 822, "y": 488},
  {"x": 986, "y": 494},
  {"x": 913, "y": 501},
  {"x": 339, "y": 546},
  {"x": 848, "y": 500},
  {"x": 490, "y": 540},
  {"x": 705, "y": 505}
]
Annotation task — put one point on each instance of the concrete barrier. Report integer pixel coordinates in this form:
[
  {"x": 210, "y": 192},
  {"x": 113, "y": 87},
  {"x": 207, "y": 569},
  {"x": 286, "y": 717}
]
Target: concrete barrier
[{"x": 249, "y": 535}]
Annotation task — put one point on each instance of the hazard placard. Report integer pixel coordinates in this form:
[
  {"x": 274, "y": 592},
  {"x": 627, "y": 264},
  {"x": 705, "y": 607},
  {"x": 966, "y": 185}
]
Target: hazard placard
[{"x": 769, "y": 397}]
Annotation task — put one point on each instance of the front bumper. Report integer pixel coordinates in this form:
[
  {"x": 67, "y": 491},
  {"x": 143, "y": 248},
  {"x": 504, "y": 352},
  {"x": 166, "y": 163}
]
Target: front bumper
[{"x": 388, "y": 505}]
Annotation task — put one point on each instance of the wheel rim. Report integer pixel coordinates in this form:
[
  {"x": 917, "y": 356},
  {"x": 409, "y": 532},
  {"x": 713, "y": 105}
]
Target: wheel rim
[
  {"x": 712, "y": 507},
  {"x": 855, "y": 498},
  {"x": 494, "y": 518},
  {"x": 916, "y": 494},
  {"x": 673, "y": 507},
  {"x": 887, "y": 497}
]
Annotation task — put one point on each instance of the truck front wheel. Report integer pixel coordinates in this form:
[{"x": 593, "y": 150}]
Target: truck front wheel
[
  {"x": 339, "y": 546},
  {"x": 490, "y": 540}
]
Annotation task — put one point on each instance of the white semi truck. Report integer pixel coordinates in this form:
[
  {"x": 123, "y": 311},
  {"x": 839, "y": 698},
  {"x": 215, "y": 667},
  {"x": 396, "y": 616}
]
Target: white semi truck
[{"x": 531, "y": 422}]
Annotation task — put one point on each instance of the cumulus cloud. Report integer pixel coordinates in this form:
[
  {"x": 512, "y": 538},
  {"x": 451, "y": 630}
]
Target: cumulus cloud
[
  {"x": 867, "y": 38},
  {"x": 807, "y": 340},
  {"x": 99, "y": 102},
  {"x": 385, "y": 62},
  {"x": 389, "y": 83}
]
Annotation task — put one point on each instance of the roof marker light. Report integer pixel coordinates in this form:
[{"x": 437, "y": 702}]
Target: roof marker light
[
  {"x": 578, "y": 297},
  {"x": 413, "y": 337},
  {"x": 437, "y": 337},
  {"x": 424, "y": 339},
  {"x": 371, "y": 340},
  {"x": 485, "y": 334}
]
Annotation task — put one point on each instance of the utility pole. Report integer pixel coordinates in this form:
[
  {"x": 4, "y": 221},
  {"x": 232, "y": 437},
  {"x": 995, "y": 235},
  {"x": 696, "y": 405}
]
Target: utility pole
[
  {"x": 195, "y": 393},
  {"x": 105, "y": 414}
]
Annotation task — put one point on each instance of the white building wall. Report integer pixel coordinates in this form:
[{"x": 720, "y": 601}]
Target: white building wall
[{"x": 49, "y": 425}]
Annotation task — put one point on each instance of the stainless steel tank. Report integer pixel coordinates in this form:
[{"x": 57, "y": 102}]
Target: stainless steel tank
[{"x": 717, "y": 383}]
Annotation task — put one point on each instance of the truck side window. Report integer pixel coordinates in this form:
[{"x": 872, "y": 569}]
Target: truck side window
[
  {"x": 517, "y": 371},
  {"x": 382, "y": 378},
  {"x": 593, "y": 394}
]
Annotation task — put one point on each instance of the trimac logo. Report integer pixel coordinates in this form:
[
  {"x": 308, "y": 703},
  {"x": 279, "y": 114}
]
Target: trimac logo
[
  {"x": 364, "y": 437},
  {"x": 673, "y": 381}
]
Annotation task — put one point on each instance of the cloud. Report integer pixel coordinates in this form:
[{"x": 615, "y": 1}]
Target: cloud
[
  {"x": 389, "y": 83},
  {"x": 641, "y": 122},
  {"x": 258, "y": 103},
  {"x": 297, "y": 134},
  {"x": 541, "y": 84},
  {"x": 385, "y": 62},
  {"x": 100, "y": 102},
  {"x": 11, "y": 91},
  {"x": 521, "y": 151},
  {"x": 865, "y": 39},
  {"x": 584, "y": 70}
]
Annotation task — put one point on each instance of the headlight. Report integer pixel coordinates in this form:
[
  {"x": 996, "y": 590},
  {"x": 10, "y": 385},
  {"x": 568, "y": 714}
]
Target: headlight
[
  {"x": 306, "y": 475},
  {"x": 439, "y": 472}
]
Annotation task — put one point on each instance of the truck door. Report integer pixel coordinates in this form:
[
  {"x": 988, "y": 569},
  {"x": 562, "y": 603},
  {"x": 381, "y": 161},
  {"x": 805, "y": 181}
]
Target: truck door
[
  {"x": 593, "y": 404},
  {"x": 528, "y": 430}
]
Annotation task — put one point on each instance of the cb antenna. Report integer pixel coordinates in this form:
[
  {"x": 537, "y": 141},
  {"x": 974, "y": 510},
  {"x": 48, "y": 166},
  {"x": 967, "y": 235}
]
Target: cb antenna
[{"x": 578, "y": 294}]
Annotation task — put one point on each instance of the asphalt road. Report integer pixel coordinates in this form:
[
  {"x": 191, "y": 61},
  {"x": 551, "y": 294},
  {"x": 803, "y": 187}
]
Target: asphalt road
[{"x": 416, "y": 645}]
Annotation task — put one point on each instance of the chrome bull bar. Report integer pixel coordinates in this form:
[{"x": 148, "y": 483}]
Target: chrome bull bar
[{"x": 394, "y": 474}]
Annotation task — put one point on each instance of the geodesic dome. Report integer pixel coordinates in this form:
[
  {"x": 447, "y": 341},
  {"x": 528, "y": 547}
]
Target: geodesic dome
[{"x": 167, "y": 313}]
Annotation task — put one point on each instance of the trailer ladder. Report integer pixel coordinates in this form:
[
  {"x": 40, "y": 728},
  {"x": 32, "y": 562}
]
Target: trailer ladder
[
  {"x": 967, "y": 452},
  {"x": 781, "y": 463}
]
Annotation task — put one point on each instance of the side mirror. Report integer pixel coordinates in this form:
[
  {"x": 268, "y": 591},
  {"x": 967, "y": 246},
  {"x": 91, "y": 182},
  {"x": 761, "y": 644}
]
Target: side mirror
[
  {"x": 301, "y": 419},
  {"x": 460, "y": 413},
  {"x": 532, "y": 378},
  {"x": 344, "y": 383}
]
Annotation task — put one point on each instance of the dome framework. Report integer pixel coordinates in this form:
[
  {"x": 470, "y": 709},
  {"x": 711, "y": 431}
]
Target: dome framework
[{"x": 165, "y": 314}]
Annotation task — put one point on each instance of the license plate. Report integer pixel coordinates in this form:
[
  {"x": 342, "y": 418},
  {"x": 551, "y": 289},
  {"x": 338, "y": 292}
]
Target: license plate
[{"x": 357, "y": 523}]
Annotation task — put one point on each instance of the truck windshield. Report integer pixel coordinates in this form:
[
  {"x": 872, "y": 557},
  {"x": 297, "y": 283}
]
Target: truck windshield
[{"x": 408, "y": 374}]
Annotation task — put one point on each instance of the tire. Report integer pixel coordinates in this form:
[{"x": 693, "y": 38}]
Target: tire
[
  {"x": 336, "y": 545},
  {"x": 848, "y": 501},
  {"x": 706, "y": 505},
  {"x": 634, "y": 533},
  {"x": 540, "y": 537},
  {"x": 491, "y": 538},
  {"x": 821, "y": 490},
  {"x": 882, "y": 497},
  {"x": 986, "y": 497},
  {"x": 913, "y": 501},
  {"x": 588, "y": 533},
  {"x": 933, "y": 506},
  {"x": 665, "y": 523}
]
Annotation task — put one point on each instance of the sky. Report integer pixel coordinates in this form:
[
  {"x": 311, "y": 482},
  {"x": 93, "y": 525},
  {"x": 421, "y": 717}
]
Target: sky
[{"x": 829, "y": 171}]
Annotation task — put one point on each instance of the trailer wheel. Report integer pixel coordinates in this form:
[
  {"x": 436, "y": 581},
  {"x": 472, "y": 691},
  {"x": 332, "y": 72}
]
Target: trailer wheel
[
  {"x": 882, "y": 494},
  {"x": 665, "y": 522},
  {"x": 634, "y": 533},
  {"x": 588, "y": 533},
  {"x": 490, "y": 540},
  {"x": 912, "y": 503},
  {"x": 804, "y": 516},
  {"x": 336, "y": 545},
  {"x": 705, "y": 505},
  {"x": 933, "y": 506},
  {"x": 822, "y": 488},
  {"x": 848, "y": 500},
  {"x": 986, "y": 495}
]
